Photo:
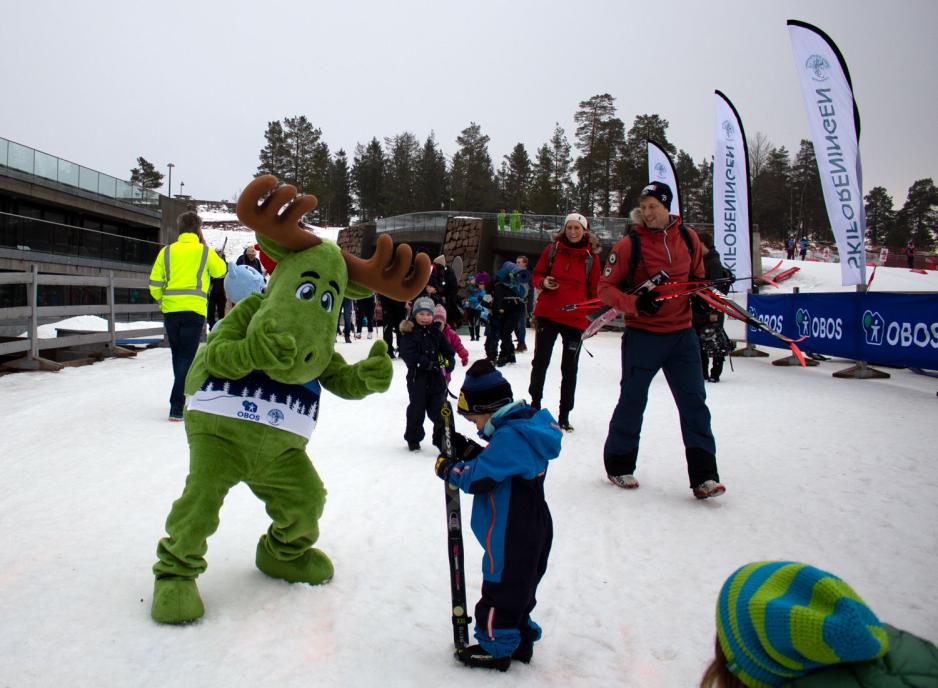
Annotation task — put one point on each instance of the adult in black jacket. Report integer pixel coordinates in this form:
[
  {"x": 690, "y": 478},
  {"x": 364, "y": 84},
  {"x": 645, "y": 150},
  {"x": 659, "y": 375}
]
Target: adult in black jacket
[
  {"x": 249, "y": 257},
  {"x": 392, "y": 313},
  {"x": 708, "y": 322},
  {"x": 217, "y": 299},
  {"x": 443, "y": 288}
]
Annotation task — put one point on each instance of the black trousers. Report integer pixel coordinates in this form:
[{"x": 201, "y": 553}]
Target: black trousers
[
  {"x": 216, "y": 305},
  {"x": 545, "y": 334},
  {"x": 501, "y": 329},
  {"x": 427, "y": 392}
]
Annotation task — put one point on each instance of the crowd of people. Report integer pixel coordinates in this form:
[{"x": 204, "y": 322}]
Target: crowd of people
[{"x": 777, "y": 623}]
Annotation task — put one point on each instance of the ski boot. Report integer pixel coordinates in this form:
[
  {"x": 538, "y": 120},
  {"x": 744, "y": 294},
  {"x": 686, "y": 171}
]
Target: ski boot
[{"x": 476, "y": 656}]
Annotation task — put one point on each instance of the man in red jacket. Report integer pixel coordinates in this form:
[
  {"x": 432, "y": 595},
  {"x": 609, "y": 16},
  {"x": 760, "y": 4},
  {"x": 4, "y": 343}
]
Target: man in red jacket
[{"x": 658, "y": 335}]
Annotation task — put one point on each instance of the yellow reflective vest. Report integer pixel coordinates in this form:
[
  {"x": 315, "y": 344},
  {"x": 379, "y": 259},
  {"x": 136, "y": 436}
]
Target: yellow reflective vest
[{"x": 182, "y": 273}]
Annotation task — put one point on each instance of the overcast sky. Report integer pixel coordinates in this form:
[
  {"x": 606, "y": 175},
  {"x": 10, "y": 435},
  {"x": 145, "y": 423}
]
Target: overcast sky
[{"x": 195, "y": 83}]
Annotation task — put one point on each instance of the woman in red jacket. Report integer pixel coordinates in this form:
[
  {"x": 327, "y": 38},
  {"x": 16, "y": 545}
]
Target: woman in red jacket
[{"x": 567, "y": 272}]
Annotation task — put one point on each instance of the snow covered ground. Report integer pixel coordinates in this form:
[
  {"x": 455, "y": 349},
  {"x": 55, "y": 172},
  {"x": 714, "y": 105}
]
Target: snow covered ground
[{"x": 838, "y": 473}]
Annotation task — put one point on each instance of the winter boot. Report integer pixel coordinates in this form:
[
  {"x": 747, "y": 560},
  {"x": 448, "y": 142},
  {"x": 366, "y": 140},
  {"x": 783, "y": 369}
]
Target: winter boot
[
  {"x": 476, "y": 656},
  {"x": 525, "y": 650},
  {"x": 626, "y": 482},
  {"x": 369, "y": 335},
  {"x": 708, "y": 489},
  {"x": 564, "y": 424},
  {"x": 348, "y": 338},
  {"x": 312, "y": 567},
  {"x": 176, "y": 600},
  {"x": 413, "y": 446}
]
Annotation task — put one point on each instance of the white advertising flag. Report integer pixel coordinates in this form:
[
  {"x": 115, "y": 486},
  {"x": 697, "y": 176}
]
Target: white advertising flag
[
  {"x": 835, "y": 131},
  {"x": 731, "y": 229},
  {"x": 660, "y": 169}
]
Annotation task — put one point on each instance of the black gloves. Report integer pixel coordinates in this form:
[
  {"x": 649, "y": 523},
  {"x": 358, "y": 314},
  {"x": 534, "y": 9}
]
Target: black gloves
[
  {"x": 443, "y": 466},
  {"x": 464, "y": 449},
  {"x": 647, "y": 303}
]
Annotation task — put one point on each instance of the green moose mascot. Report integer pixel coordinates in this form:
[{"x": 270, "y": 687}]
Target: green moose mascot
[{"x": 254, "y": 391}]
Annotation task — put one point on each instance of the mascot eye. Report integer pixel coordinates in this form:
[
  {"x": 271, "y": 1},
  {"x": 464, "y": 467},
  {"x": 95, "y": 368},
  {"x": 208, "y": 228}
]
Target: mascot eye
[
  {"x": 326, "y": 300},
  {"x": 306, "y": 291}
]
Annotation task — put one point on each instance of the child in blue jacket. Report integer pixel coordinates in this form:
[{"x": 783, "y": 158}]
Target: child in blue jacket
[{"x": 510, "y": 517}]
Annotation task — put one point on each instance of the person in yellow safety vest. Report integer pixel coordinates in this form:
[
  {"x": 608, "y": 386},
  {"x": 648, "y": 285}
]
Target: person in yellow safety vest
[{"x": 179, "y": 282}]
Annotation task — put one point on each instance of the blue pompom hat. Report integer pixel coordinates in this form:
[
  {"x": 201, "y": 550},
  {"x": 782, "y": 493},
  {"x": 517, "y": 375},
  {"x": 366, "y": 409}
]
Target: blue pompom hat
[{"x": 780, "y": 620}]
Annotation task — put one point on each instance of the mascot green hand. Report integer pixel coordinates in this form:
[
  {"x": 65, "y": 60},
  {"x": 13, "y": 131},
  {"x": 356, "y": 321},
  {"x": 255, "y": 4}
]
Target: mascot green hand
[{"x": 254, "y": 392}]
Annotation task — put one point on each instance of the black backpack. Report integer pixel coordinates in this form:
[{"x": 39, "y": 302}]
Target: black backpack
[
  {"x": 553, "y": 252},
  {"x": 636, "y": 254}
]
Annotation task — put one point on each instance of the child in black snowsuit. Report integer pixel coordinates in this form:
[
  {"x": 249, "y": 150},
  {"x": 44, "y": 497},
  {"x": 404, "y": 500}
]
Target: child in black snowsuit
[
  {"x": 507, "y": 305},
  {"x": 426, "y": 351},
  {"x": 510, "y": 517}
]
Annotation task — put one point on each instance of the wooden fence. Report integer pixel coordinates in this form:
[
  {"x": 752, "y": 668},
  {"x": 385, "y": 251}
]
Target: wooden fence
[{"x": 31, "y": 345}]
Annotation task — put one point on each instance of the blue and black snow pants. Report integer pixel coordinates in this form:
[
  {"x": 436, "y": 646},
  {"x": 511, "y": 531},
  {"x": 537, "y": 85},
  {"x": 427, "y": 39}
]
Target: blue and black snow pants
[
  {"x": 503, "y": 614},
  {"x": 678, "y": 355}
]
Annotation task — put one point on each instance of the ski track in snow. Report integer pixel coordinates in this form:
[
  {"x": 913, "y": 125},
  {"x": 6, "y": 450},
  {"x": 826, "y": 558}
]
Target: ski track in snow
[{"x": 838, "y": 473}]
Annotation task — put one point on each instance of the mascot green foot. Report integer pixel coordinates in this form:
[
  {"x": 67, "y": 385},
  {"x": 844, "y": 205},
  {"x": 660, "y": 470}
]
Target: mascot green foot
[
  {"x": 176, "y": 601},
  {"x": 313, "y": 567}
]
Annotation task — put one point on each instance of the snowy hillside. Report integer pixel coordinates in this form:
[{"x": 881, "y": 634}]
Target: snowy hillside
[{"x": 838, "y": 473}]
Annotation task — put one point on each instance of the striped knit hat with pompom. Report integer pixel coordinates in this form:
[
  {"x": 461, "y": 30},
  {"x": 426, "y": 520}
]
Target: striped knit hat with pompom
[{"x": 780, "y": 620}]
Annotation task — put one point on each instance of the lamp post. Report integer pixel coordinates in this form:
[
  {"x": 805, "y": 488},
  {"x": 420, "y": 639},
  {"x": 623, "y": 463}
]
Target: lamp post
[
  {"x": 181, "y": 187},
  {"x": 170, "y": 184}
]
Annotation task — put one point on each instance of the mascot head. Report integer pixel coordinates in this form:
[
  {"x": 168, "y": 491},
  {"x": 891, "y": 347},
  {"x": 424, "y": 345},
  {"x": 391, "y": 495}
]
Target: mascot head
[{"x": 313, "y": 275}]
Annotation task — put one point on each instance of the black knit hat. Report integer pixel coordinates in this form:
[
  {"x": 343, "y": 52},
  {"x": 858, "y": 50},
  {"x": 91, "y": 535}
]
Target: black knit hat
[
  {"x": 659, "y": 190},
  {"x": 484, "y": 391}
]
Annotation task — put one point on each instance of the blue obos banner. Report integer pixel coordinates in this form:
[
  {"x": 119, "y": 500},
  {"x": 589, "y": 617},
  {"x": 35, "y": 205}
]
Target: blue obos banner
[{"x": 892, "y": 329}]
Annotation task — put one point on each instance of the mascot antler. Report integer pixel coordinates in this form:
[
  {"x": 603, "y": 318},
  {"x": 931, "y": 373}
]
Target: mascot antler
[{"x": 387, "y": 272}]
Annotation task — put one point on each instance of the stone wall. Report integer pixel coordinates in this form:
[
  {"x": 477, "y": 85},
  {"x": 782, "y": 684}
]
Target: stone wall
[
  {"x": 358, "y": 240},
  {"x": 463, "y": 238}
]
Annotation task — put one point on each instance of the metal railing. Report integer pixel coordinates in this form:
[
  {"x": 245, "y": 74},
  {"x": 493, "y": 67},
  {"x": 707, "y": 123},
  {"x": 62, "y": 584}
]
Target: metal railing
[
  {"x": 542, "y": 227},
  {"x": 539, "y": 226},
  {"x": 34, "y": 162},
  {"x": 42, "y": 236},
  {"x": 32, "y": 344}
]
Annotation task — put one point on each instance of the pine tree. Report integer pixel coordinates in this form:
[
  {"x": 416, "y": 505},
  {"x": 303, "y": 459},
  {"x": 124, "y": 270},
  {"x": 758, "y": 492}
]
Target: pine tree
[
  {"x": 542, "y": 198},
  {"x": 773, "y": 197},
  {"x": 810, "y": 213},
  {"x": 879, "y": 215},
  {"x": 320, "y": 164},
  {"x": 632, "y": 168},
  {"x": 340, "y": 184},
  {"x": 368, "y": 168},
  {"x": 918, "y": 218},
  {"x": 517, "y": 178},
  {"x": 400, "y": 180},
  {"x": 696, "y": 206},
  {"x": 599, "y": 136},
  {"x": 432, "y": 181},
  {"x": 302, "y": 139},
  {"x": 275, "y": 154},
  {"x": 146, "y": 175},
  {"x": 560, "y": 178},
  {"x": 473, "y": 185}
]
